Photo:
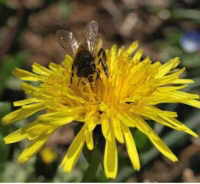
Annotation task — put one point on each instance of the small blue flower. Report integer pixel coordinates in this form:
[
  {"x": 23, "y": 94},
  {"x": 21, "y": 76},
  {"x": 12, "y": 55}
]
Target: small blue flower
[{"x": 190, "y": 41}]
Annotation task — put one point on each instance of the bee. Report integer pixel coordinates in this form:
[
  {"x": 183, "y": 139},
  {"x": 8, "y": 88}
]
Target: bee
[{"x": 87, "y": 54}]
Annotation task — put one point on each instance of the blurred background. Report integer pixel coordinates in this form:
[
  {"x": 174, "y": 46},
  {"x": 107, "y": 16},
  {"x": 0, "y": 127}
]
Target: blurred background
[{"x": 165, "y": 29}]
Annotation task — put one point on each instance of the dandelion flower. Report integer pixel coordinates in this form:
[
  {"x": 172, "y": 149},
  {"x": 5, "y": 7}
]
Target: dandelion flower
[{"x": 126, "y": 98}]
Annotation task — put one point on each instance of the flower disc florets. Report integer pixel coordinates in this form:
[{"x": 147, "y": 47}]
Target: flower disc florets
[{"x": 123, "y": 99}]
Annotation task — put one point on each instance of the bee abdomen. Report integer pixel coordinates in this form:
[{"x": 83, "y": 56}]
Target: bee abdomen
[{"x": 84, "y": 64}]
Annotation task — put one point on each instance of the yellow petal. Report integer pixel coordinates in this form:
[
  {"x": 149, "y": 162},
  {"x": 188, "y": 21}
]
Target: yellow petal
[
  {"x": 132, "y": 48},
  {"x": 59, "y": 118},
  {"x": 184, "y": 95},
  {"x": 137, "y": 56},
  {"x": 74, "y": 151},
  {"x": 89, "y": 139},
  {"x": 128, "y": 120},
  {"x": 15, "y": 136},
  {"x": 26, "y": 101},
  {"x": 180, "y": 126},
  {"x": 194, "y": 103},
  {"x": 111, "y": 59},
  {"x": 68, "y": 61},
  {"x": 54, "y": 67},
  {"x": 36, "y": 129},
  {"x": 168, "y": 79},
  {"x": 166, "y": 118},
  {"x": 25, "y": 75},
  {"x": 32, "y": 149},
  {"x": 29, "y": 89},
  {"x": 116, "y": 124},
  {"x": 160, "y": 145},
  {"x": 39, "y": 69},
  {"x": 105, "y": 126},
  {"x": 110, "y": 158},
  {"x": 22, "y": 113},
  {"x": 165, "y": 68},
  {"x": 131, "y": 148},
  {"x": 169, "y": 88},
  {"x": 91, "y": 121},
  {"x": 165, "y": 96},
  {"x": 182, "y": 81}
]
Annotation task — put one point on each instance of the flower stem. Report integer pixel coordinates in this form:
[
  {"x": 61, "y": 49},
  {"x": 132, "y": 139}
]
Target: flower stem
[{"x": 93, "y": 159}]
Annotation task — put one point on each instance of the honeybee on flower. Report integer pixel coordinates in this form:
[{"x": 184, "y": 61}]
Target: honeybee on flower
[
  {"x": 119, "y": 92},
  {"x": 88, "y": 54}
]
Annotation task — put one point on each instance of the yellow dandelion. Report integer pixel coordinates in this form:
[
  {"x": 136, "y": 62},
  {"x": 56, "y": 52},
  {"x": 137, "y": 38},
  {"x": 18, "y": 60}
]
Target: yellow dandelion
[{"x": 124, "y": 99}]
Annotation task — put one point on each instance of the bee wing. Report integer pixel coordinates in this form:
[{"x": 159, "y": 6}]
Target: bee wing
[
  {"x": 91, "y": 34},
  {"x": 67, "y": 40}
]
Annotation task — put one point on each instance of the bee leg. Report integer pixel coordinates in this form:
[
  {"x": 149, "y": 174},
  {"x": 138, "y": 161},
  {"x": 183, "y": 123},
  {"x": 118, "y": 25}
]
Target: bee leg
[
  {"x": 101, "y": 54},
  {"x": 102, "y": 60},
  {"x": 72, "y": 74},
  {"x": 97, "y": 74}
]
